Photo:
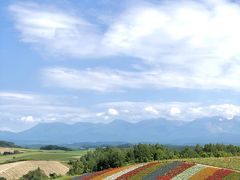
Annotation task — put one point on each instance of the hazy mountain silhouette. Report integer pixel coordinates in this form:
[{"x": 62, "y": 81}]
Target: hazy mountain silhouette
[{"x": 205, "y": 130}]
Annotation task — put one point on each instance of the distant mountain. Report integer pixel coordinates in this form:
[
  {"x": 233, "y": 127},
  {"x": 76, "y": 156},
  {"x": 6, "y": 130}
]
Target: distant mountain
[{"x": 205, "y": 130}]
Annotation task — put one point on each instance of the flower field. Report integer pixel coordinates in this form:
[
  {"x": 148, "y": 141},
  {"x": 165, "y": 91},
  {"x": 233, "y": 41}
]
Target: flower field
[{"x": 176, "y": 170}]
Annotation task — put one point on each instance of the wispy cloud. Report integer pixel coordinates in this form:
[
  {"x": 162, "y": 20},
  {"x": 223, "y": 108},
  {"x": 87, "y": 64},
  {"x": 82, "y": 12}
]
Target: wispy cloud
[
  {"x": 21, "y": 96},
  {"x": 18, "y": 115},
  {"x": 53, "y": 30},
  {"x": 106, "y": 80},
  {"x": 181, "y": 45}
]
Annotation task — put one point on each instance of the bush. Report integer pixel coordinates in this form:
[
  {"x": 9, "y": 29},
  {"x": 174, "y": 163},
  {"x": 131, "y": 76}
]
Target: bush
[
  {"x": 3, "y": 178},
  {"x": 55, "y": 147},
  {"x": 76, "y": 167},
  {"x": 37, "y": 174},
  {"x": 53, "y": 176}
]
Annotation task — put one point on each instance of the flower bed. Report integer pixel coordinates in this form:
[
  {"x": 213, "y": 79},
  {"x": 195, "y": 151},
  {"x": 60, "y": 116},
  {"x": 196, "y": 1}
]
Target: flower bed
[
  {"x": 174, "y": 172},
  {"x": 163, "y": 178},
  {"x": 189, "y": 172},
  {"x": 204, "y": 174},
  {"x": 111, "y": 172},
  {"x": 220, "y": 174},
  {"x": 147, "y": 171},
  {"x": 232, "y": 176},
  {"x": 116, "y": 175},
  {"x": 136, "y": 171},
  {"x": 92, "y": 175},
  {"x": 163, "y": 170}
]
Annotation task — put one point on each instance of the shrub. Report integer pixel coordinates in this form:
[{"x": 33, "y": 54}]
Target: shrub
[
  {"x": 37, "y": 174},
  {"x": 53, "y": 176},
  {"x": 76, "y": 167}
]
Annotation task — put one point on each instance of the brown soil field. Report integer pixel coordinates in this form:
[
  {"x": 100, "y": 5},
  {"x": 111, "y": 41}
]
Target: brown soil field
[
  {"x": 12, "y": 171},
  {"x": 3, "y": 149}
]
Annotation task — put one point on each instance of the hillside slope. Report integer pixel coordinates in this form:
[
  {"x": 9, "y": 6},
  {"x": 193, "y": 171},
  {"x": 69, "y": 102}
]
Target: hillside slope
[
  {"x": 16, "y": 170},
  {"x": 175, "y": 170}
]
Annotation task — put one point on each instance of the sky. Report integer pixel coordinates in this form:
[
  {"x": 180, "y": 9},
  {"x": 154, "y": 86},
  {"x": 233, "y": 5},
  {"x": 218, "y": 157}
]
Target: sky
[{"x": 96, "y": 61}]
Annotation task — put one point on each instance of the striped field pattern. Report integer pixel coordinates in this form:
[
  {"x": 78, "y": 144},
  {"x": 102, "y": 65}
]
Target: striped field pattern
[{"x": 175, "y": 170}]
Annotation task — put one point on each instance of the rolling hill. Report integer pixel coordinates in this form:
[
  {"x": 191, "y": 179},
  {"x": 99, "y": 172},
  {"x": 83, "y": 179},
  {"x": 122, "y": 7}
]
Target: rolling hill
[
  {"x": 165, "y": 170},
  {"x": 17, "y": 169}
]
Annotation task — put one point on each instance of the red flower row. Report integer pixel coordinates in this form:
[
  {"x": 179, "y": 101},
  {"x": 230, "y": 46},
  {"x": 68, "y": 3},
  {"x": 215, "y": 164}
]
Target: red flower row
[
  {"x": 163, "y": 178},
  {"x": 136, "y": 171},
  {"x": 179, "y": 169},
  {"x": 92, "y": 175},
  {"x": 219, "y": 174}
]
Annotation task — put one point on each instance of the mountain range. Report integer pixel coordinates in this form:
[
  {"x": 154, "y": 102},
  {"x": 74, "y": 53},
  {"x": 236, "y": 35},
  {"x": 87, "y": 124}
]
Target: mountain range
[{"x": 205, "y": 130}]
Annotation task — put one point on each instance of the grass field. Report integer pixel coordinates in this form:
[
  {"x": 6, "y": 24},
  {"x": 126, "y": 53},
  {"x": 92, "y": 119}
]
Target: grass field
[
  {"x": 224, "y": 162},
  {"x": 34, "y": 154}
]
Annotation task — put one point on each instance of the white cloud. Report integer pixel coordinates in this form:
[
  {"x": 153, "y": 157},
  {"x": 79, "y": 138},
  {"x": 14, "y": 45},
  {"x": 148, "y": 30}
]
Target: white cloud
[
  {"x": 113, "y": 112},
  {"x": 27, "y": 119},
  {"x": 54, "y": 30},
  {"x": 174, "y": 111},
  {"x": 20, "y": 96},
  {"x": 19, "y": 115},
  {"x": 151, "y": 110},
  {"x": 181, "y": 44},
  {"x": 116, "y": 80},
  {"x": 183, "y": 111},
  {"x": 227, "y": 110}
]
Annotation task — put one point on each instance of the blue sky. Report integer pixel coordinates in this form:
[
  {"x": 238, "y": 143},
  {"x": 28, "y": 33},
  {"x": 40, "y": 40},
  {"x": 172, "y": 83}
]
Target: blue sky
[{"x": 96, "y": 61}]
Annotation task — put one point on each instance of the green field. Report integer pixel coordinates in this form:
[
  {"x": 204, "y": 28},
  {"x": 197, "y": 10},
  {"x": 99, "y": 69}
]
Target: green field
[
  {"x": 224, "y": 162},
  {"x": 36, "y": 154}
]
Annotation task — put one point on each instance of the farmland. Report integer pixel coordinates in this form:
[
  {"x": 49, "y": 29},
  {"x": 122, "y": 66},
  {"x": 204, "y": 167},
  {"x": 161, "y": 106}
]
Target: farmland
[
  {"x": 176, "y": 170},
  {"x": 224, "y": 162},
  {"x": 18, "y": 169},
  {"x": 140, "y": 161},
  {"x": 36, "y": 154}
]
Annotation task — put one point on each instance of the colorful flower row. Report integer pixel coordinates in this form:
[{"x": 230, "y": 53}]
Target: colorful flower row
[
  {"x": 164, "y": 171},
  {"x": 220, "y": 174},
  {"x": 92, "y": 175},
  {"x": 147, "y": 171},
  {"x": 189, "y": 172},
  {"x": 120, "y": 173},
  {"x": 111, "y": 172},
  {"x": 174, "y": 172},
  {"x": 136, "y": 171},
  {"x": 204, "y": 174}
]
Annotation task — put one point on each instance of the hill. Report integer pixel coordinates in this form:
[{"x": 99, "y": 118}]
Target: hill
[
  {"x": 164, "y": 170},
  {"x": 18, "y": 169},
  {"x": 206, "y": 130},
  {"x": 8, "y": 144}
]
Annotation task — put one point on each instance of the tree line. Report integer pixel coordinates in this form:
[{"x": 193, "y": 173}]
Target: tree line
[{"x": 111, "y": 157}]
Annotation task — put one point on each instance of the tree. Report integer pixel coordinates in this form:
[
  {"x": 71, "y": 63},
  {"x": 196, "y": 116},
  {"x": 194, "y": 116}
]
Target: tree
[
  {"x": 55, "y": 147},
  {"x": 76, "y": 167},
  {"x": 37, "y": 174},
  {"x": 198, "y": 149},
  {"x": 142, "y": 153},
  {"x": 188, "y": 153}
]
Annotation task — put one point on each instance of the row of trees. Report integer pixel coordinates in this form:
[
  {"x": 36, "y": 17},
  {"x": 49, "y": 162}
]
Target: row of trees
[
  {"x": 55, "y": 147},
  {"x": 111, "y": 157}
]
